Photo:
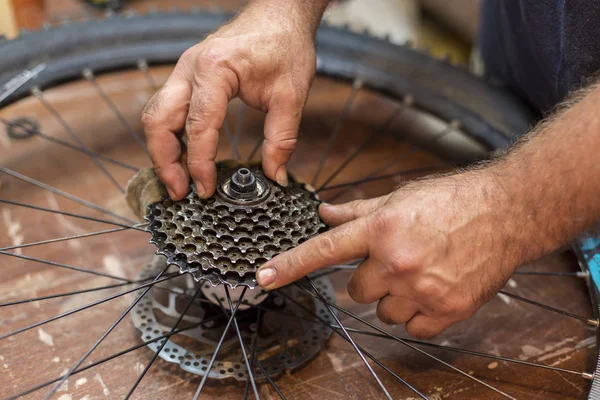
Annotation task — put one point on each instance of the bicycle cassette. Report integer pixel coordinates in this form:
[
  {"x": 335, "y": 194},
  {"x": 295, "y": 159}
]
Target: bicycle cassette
[{"x": 226, "y": 238}]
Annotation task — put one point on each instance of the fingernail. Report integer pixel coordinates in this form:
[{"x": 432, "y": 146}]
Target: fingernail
[
  {"x": 200, "y": 189},
  {"x": 281, "y": 176},
  {"x": 265, "y": 276}
]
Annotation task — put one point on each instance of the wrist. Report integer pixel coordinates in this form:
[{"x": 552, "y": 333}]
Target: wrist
[
  {"x": 303, "y": 16},
  {"x": 525, "y": 225}
]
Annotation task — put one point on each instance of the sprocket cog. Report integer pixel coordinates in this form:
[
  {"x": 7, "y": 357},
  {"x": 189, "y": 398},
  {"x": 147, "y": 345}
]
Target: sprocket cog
[{"x": 226, "y": 238}]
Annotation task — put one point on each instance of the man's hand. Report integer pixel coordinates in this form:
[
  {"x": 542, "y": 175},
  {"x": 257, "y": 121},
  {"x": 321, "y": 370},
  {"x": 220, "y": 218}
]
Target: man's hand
[
  {"x": 438, "y": 249},
  {"x": 430, "y": 249},
  {"x": 266, "y": 57}
]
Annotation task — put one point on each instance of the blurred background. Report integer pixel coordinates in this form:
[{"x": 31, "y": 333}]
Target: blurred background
[{"x": 445, "y": 28}]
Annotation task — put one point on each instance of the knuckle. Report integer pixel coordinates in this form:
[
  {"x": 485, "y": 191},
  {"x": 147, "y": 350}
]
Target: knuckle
[
  {"x": 185, "y": 60},
  {"x": 379, "y": 223},
  {"x": 397, "y": 265},
  {"x": 194, "y": 124},
  {"x": 405, "y": 261},
  {"x": 149, "y": 117},
  {"x": 214, "y": 57},
  {"x": 427, "y": 287},
  {"x": 324, "y": 246},
  {"x": 285, "y": 141},
  {"x": 355, "y": 207}
]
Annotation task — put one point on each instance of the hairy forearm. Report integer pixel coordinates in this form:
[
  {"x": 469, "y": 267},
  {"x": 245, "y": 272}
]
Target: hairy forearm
[
  {"x": 550, "y": 181},
  {"x": 305, "y": 14}
]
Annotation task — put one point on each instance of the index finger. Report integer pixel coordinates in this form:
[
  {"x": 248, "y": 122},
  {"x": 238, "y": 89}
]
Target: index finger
[
  {"x": 211, "y": 94},
  {"x": 344, "y": 243}
]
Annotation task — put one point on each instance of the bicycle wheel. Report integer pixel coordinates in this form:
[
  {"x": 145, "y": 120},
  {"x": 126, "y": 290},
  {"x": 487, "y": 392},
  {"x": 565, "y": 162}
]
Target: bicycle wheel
[{"x": 378, "y": 114}]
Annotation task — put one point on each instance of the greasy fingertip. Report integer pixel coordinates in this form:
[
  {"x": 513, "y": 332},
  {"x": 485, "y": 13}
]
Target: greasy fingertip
[
  {"x": 281, "y": 176},
  {"x": 204, "y": 175},
  {"x": 175, "y": 179},
  {"x": 200, "y": 190},
  {"x": 172, "y": 193}
]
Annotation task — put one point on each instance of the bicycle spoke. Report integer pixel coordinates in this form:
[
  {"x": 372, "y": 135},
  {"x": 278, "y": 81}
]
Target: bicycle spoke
[
  {"x": 249, "y": 363},
  {"x": 413, "y": 171},
  {"x": 68, "y": 214},
  {"x": 61, "y": 265},
  {"x": 64, "y": 194},
  {"x": 379, "y": 131},
  {"x": 350, "y": 339},
  {"x": 253, "y": 349},
  {"x": 55, "y": 296},
  {"x": 585, "y": 375},
  {"x": 37, "y": 93},
  {"x": 214, "y": 356},
  {"x": 320, "y": 321},
  {"x": 78, "y": 236},
  {"x": 590, "y": 321},
  {"x": 161, "y": 347},
  {"x": 68, "y": 145},
  {"x": 404, "y": 342},
  {"x": 101, "y": 339},
  {"x": 340, "y": 334},
  {"x": 452, "y": 126},
  {"x": 109, "y": 358},
  {"x": 241, "y": 340},
  {"x": 90, "y": 77},
  {"x": 356, "y": 86},
  {"x": 82, "y": 308},
  {"x": 143, "y": 66}
]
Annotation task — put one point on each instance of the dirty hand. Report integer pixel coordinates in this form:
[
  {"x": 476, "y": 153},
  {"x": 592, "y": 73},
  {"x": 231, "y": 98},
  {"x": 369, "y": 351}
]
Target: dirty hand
[
  {"x": 266, "y": 57},
  {"x": 435, "y": 251}
]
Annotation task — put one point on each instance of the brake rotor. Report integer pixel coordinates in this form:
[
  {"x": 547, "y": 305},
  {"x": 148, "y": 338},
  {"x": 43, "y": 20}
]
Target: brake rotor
[
  {"x": 279, "y": 346},
  {"x": 226, "y": 238}
]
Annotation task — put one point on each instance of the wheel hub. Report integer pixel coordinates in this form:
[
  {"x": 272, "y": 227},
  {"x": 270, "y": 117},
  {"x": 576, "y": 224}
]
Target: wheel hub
[{"x": 283, "y": 340}]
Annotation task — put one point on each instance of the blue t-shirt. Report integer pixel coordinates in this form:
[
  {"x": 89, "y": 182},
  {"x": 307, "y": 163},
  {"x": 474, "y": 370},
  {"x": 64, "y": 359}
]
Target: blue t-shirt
[{"x": 541, "y": 49}]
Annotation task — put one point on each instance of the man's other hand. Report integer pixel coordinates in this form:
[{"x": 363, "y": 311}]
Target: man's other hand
[
  {"x": 434, "y": 251},
  {"x": 266, "y": 57}
]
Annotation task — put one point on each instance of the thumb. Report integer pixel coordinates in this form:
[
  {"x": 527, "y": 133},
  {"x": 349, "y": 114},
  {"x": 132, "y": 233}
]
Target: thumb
[
  {"x": 344, "y": 243},
  {"x": 335, "y": 215},
  {"x": 281, "y": 134}
]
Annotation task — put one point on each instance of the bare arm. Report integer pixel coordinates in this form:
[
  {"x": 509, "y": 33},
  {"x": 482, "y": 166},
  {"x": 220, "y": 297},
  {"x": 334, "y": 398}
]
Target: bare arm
[
  {"x": 552, "y": 177},
  {"x": 436, "y": 250},
  {"x": 266, "y": 57}
]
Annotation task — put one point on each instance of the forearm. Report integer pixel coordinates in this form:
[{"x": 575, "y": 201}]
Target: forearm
[
  {"x": 550, "y": 181},
  {"x": 305, "y": 14}
]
